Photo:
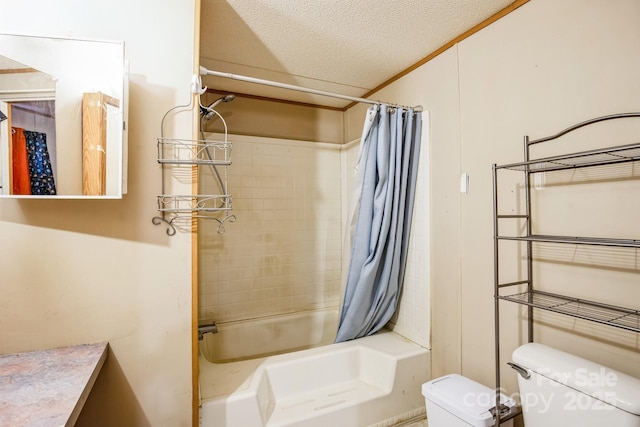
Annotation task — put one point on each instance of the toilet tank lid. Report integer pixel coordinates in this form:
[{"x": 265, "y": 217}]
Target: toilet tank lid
[
  {"x": 464, "y": 398},
  {"x": 602, "y": 383}
]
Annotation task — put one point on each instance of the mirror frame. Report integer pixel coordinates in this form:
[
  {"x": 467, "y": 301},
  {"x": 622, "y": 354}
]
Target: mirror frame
[{"x": 79, "y": 66}]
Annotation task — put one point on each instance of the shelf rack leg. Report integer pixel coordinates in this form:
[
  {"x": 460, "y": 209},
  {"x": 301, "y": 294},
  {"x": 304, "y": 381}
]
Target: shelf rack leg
[
  {"x": 527, "y": 189},
  {"x": 496, "y": 301}
]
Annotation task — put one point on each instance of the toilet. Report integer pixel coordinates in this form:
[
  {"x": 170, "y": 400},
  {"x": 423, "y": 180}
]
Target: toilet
[
  {"x": 558, "y": 389},
  {"x": 457, "y": 401}
]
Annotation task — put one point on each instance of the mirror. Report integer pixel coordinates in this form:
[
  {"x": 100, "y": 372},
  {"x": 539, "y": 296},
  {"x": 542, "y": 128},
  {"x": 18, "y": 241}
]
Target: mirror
[{"x": 63, "y": 109}]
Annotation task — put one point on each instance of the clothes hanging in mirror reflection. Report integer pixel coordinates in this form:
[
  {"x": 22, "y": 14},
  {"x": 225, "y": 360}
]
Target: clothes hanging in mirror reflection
[{"x": 31, "y": 164}]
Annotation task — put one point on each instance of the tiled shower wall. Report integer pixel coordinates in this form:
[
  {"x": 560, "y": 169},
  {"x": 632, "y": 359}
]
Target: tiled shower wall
[{"x": 283, "y": 254}]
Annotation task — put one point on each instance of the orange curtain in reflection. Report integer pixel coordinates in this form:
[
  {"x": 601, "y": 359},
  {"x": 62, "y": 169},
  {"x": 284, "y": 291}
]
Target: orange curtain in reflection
[{"x": 19, "y": 163}]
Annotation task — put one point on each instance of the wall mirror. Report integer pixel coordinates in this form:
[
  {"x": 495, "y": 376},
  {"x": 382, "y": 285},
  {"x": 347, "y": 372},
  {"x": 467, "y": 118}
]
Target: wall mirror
[{"x": 63, "y": 112}]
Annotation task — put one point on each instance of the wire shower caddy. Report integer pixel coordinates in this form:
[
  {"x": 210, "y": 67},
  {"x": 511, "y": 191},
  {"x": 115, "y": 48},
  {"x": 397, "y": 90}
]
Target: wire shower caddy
[{"x": 188, "y": 155}]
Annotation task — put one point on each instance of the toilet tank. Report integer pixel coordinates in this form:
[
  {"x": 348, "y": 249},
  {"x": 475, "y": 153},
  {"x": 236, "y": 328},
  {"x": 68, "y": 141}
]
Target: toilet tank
[{"x": 565, "y": 390}]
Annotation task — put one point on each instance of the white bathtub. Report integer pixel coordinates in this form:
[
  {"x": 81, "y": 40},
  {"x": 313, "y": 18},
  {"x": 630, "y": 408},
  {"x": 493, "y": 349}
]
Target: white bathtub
[{"x": 372, "y": 381}]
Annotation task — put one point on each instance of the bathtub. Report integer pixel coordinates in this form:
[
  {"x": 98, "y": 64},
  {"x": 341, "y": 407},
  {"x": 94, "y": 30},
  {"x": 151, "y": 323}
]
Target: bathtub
[{"x": 371, "y": 381}]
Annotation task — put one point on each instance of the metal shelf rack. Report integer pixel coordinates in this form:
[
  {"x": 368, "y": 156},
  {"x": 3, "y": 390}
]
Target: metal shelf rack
[
  {"x": 625, "y": 318},
  {"x": 615, "y": 316}
]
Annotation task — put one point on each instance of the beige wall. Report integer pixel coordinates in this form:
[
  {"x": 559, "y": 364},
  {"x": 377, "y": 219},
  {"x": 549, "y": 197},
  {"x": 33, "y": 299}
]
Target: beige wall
[
  {"x": 540, "y": 69},
  {"x": 89, "y": 271}
]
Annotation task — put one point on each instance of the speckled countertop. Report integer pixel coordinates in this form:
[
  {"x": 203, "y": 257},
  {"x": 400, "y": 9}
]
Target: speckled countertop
[{"x": 48, "y": 388}]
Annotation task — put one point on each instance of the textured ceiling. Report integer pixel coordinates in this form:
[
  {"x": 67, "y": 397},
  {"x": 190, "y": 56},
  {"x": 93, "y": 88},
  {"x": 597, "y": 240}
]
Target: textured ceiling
[{"x": 343, "y": 46}]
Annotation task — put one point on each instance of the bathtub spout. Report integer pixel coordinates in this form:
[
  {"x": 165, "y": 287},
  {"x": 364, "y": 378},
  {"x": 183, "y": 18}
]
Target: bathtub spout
[{"x": 207, "y": 329}]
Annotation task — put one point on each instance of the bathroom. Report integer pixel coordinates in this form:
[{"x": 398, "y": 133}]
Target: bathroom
[{"x": 106, "y": 273}]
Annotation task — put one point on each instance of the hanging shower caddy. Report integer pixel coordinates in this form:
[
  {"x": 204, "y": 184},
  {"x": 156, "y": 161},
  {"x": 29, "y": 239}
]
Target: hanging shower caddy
[
  {"x": 180, "y": 158},
  {"x": 182, "y": 152}
]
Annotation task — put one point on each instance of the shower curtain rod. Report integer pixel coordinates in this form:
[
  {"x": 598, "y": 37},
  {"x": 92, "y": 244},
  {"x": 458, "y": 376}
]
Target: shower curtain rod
[{"x": 204, "y": 72}]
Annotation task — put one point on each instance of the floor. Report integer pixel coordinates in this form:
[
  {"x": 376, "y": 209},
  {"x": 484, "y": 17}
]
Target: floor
[{"x": 421, "y": 423}]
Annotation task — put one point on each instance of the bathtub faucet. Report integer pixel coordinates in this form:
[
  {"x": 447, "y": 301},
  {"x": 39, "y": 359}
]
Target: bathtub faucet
[{"x": 207, "y": 329}]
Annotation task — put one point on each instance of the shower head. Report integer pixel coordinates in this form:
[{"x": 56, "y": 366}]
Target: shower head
[{"x": 207, "y": 112}]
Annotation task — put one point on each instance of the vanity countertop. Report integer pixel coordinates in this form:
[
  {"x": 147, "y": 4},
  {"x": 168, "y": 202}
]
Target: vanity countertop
[{"x": 48, "y": 388}]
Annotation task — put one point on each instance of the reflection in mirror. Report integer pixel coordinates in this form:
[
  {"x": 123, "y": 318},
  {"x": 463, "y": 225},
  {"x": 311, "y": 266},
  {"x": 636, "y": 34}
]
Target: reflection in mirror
[
  {"x": 28, "y": 98},
  {"x": 98, "y": 110},
  {"x": 62, "y": 113},
  {"x": 33, "y": 139}
]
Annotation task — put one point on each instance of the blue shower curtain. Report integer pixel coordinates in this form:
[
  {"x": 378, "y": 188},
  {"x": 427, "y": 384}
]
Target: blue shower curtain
[{"x": 387, "y": 170}]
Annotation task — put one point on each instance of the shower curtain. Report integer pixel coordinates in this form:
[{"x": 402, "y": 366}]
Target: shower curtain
[
  {"x": 32, "y": 171},
  {"x": 386, "y": 176}
]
